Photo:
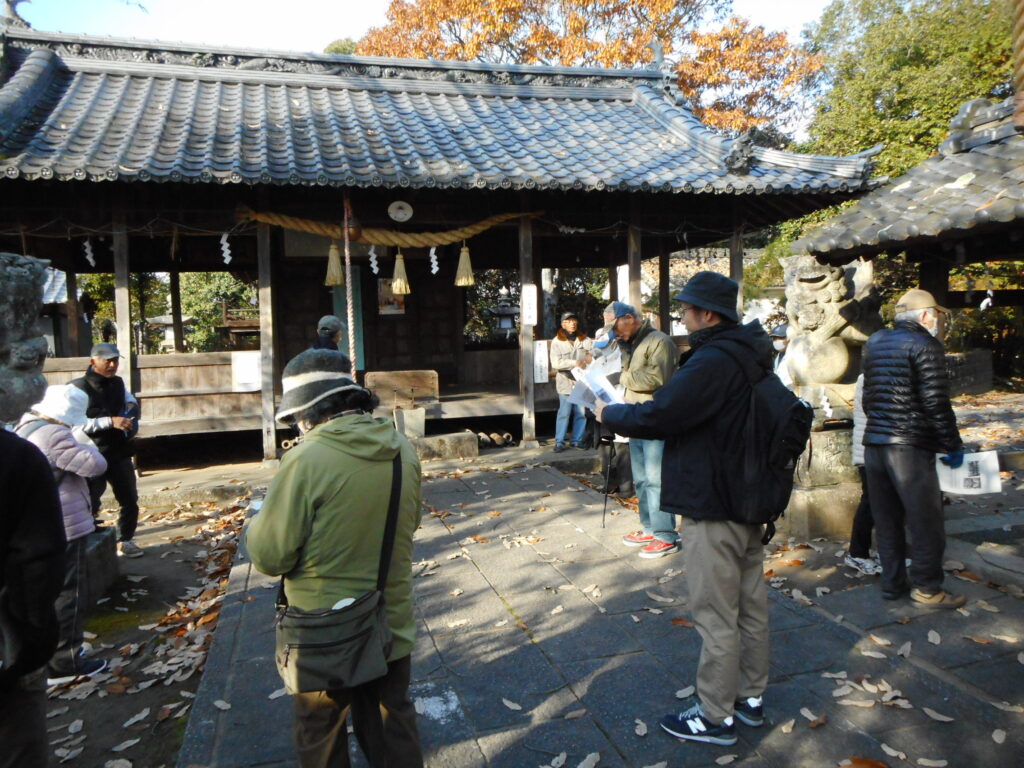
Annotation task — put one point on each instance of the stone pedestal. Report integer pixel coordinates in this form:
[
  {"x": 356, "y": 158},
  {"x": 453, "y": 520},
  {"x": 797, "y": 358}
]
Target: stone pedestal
[
  {"x": 457, "y": 445},
  {"x": 101, "y": 559},
  {"x": 826, "y": 491}
]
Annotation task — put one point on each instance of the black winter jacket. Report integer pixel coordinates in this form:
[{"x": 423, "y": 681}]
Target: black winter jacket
[
  {"x": 906, "y": 390},
  {"x": 700, "y": 413},
  {"x": 31, "y": 558}
]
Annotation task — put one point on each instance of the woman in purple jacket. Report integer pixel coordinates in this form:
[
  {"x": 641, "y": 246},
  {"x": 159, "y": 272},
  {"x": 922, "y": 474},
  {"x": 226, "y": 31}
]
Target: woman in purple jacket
[{"x": 48, "y": 425}]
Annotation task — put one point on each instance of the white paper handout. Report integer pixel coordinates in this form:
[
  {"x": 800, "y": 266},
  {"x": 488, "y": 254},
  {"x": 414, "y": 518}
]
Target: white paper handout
[{"x": 978, "y": 474}]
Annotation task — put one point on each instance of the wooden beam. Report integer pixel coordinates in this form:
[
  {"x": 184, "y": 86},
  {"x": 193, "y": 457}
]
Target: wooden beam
[
  {"x": 664, "y": 276},
  {"x": 736, "y": 264},
  {"x": 122, "y": 300},
  {"x": 176, "y": 325},
  {"x": 266, "y": 342},
  {"x": 74, "y": 341},
  {"x": 1000, "y": 298},
  {"x": 633, "y": 258},
  {"x": 526, "y": 334}
]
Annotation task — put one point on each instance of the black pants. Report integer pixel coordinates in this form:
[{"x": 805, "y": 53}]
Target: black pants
[
  {"x": 904, "y": 491},
  {"x": 383, "y": 718},
  {"x": 121, "y": 476},
  {"x": 23, "y": 722},
  {"x": 71, "y": 609},
  {"x": 620, "y": 474},
  {"x": 863, "y": 523}
]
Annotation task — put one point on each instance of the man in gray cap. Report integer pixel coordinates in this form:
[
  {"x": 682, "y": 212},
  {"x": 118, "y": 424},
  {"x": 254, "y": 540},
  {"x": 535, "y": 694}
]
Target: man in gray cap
[
  {"x": 328, "y": 333},
  {"x": 113, "y": 420},
  {"x": 648, "y": 362},
  {"x": 701, "y": 414}
]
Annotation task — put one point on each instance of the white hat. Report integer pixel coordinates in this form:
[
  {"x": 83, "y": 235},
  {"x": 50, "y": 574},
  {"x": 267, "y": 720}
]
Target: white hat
[{"x": 64, "y": 403}]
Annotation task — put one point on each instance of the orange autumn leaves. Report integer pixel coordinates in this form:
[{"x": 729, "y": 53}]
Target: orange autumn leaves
[{"x": 737, "y": 76}]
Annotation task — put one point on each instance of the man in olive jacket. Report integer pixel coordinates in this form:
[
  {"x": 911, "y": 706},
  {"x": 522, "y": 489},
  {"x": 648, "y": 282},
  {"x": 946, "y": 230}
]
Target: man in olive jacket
[
  {"x": 321, "y": 526},
  {"x": 909, "y": 420},
  {"x": 649, "y": 358}
]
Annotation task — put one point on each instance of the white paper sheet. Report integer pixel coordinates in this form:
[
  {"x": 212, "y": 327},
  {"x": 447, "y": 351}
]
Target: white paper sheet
[{"x": 978, "y": 474}]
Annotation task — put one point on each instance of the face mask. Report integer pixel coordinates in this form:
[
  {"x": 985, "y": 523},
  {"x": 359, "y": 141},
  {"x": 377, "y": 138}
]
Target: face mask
[{"x": 779, "y": 345}]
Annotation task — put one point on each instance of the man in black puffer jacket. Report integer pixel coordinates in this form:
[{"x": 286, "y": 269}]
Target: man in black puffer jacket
[
  {"x": 701, "y": 414},
  {"x": 909, "y": 420}
]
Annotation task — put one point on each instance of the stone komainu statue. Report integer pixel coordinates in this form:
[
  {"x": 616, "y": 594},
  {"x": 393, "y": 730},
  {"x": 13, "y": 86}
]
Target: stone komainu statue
[
  {"x": 22, "y": 349},
  {"x": 832, "y": 311}
]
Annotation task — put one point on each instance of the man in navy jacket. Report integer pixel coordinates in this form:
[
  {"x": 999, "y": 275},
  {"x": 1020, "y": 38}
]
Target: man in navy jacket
[{"x": 700, "y": 413}]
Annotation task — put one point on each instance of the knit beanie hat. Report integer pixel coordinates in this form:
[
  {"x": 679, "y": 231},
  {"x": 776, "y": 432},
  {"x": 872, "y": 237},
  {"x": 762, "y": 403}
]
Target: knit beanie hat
[{"x": 311, "y": 376}]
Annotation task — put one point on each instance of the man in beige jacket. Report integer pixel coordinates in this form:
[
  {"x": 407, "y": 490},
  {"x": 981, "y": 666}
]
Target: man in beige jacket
[{"x": 649, "y": 359}]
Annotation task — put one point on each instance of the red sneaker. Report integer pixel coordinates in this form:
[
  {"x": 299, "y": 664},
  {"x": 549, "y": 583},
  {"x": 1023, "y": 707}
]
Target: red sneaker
[
  {"x": 637, "y": 539},
  {"x": 658, "y": 548}
]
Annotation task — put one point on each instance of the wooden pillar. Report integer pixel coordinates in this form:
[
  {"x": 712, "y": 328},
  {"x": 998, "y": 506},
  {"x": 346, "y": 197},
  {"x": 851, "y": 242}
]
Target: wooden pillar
[
  {"x": 933, "y": 275},
  {"x": 664, "y": 275},
  {"x": 266, "y": 342},
  {"x": 633, "y": 260},
  {"x": 613, "y": 274},
  {"x": 176, "y": 325},
  {"x": 736, "y": 264},
  {"x": 122, "y": 301},
  {"x": 74, "y": 342},
  {"x": 526, "y": 278}
]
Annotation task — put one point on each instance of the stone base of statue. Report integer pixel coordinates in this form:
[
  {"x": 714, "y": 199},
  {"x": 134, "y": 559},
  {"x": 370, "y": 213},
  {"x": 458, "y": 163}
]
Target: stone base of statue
[{"x": 826, "y": 491}]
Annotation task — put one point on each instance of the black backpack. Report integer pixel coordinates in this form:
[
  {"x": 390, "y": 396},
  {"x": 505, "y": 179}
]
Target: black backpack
[{"x": 778, "y": 427}]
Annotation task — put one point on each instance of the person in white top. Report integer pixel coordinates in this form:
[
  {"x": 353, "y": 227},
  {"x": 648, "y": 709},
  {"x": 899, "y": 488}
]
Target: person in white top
[{"x": 780, "y": 340}]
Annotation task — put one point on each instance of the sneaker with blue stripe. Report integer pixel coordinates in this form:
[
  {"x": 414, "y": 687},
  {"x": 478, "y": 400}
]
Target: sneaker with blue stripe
[{"x": 693, "y": 726}]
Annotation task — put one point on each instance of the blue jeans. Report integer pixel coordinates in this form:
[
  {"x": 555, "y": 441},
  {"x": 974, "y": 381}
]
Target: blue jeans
[
  {"x": 579, "y": 421},
  {"x": 645, "y": 456}
]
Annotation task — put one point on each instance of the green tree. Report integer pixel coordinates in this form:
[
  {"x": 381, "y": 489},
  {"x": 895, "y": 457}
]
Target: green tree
[
  {"x": 204, "y": 296},
  {"x": 148, "y": 291},
  {"x": 344, "y": 45}
]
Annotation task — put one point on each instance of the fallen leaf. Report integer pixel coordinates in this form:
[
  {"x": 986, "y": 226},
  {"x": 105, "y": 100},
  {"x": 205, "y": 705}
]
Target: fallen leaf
[
  {"x": 222, "y": 705},
  {"x": 494, "y": 513},
  {"x": 987, "y": 606},
  {"x": 843, "y": 690},
  {"x": 1020, "y": 657},
  {"x": 125, "y": 745},
  {"x": 865, "y": 703},
  {"x": 641, "y": 728},
  {"x": 138, "y": 717},
  {"x": 835, "y": 675},
  {"x": 880, "y": 641},
  {"x": 904, "y": 650},
  {"x": 457, "y": 623},
  {"x": 557, "y": 610},
  {"x": 931, "y": 763},
  {"x": 590, "y": 760},
  {"x": 681, "y": 622},
  {"x": 1006, "y": 638},
  {"x": 873, "y": 654},
  {"x": 576, "y": 713},
  {"x": 588, "y": 589},
  {"x": 934, "y": 637},
  {"x": 998, "y": 735},
  {"x": 787, "y": 727},
  {"x": 893, "y": 752},
  {"x": 69, "y": 754},
  {"x": 725, "y": 759},
  {"x": 559, "y": 760},
  {"x": 818, "y": 721},
  {"x": 118, "y": 763},
  {"x": 791, "y": 563},
  {"x": 456, "y": 592},
  {"x": 864, "y": 762},
  {"x": 978, "y": 640},
  {"x": 662, "y": 764},
  {"x": 659, "y": 598},
  {"x": 277, "y": 694},
  {"x": 511, "y": 705},
  {"x": 685, "y": 693},
  {"x": 479, "y": 539},
  {"x": 936, "y": 715},
  {"x": 635, "y": 618}
]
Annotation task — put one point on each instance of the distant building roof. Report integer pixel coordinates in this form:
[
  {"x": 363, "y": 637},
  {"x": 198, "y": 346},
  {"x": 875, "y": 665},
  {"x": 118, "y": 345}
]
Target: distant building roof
[
  {"x": 975, "y": 179},
  {"x": 76, "y": 107}
]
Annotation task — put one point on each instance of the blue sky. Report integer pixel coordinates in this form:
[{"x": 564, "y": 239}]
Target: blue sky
[{"x": 295, "y": 25}]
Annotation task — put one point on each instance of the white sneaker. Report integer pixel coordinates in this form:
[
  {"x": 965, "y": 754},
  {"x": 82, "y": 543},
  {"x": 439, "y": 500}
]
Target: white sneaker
[
  {"x": 866, "y": 565},
  {"x": 129, "y": 549}
]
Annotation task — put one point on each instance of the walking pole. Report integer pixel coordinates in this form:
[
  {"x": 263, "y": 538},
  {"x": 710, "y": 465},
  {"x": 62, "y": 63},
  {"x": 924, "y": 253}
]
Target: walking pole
[{"x": 609, "y": 440}]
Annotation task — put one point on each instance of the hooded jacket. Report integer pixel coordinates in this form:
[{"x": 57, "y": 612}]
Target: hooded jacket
[
  {"x": 906, "y": 390},
  {"x": 648, "y": 361},
  {"x": 564, "y": 353},
  {"x": 700, "y": 414},
  {"x": 322, "y": 523}
]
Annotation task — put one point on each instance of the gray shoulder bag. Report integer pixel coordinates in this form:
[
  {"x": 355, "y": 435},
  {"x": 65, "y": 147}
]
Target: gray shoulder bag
[{"x": 344, "y": 647}]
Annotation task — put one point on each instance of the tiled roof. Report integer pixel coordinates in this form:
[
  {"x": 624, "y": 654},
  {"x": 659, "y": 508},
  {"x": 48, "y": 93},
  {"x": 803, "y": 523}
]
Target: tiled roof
[
  {"x": 976, "y": 178},
  {"x": 77, "y": 107}
]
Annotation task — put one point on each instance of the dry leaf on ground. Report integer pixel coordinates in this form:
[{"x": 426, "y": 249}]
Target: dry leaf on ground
[
  {"x": 998, "y": 736},
  {"x": 787, "y": 727},
  {"x": 934, "y": 637},
  {"x": 559, "y": 760},
  {"x": 904, "y": 650},
  {"x": 641, "y": 727},
  {"x": 511, "y": 705},
  {"x": 138, "y": 717},
  {"x": 222, "y": 705},
  {"x": 662, "y": 764},
  {"x": 590, "y": 760},
  {"x": 681, "y": 622},
  {"x": 931, "y": 763},
  {"x": 937, "y": 715},
  {"x": 575, "y": 713},
  {"x": 725, "y": 759},
  {"x": 873, "y": 654},
  {"x": 278, "y": 693},
  {"x": 880, "y": 641},
  {"x": 125, "y": 745},
  {"x": 659, "y": 598},
  {"x": 684, "y": 693}
]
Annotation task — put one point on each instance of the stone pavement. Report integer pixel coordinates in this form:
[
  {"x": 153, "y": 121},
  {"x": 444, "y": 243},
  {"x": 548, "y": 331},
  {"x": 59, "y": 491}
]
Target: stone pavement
[{"x": 539, "y": 633}]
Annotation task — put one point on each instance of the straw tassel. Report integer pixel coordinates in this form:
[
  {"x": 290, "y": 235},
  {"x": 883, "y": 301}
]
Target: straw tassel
[
  {"x": 334, "y": 274},
  {"x": 400, "y": 282},
  {"x": 464, "y": 274}
]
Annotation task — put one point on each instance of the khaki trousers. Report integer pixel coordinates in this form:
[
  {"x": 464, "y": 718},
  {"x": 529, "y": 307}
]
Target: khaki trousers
[
  {"x": 383, "y": 718},
  {"x": 729, "y": 599}
]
